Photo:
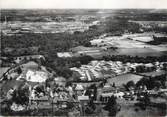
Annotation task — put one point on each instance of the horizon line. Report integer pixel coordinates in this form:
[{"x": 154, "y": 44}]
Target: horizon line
[{"x": 82, "y": 8}]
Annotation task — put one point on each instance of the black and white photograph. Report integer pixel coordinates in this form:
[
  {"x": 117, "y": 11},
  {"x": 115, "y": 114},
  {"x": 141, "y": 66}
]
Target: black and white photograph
[{"x": 83, "y": 58}]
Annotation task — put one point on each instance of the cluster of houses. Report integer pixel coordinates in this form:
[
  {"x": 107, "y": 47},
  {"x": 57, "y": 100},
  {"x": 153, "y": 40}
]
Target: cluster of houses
[
  {"x": 104, "y": 69},
  {"x": 35, "y": 77},
  {"x": 57, "y": 25},
  {"x": 151, "y": 24}
]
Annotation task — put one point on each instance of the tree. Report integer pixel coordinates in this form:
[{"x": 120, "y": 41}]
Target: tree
[
  {"x": 157, "y": 84},
  {"x": 129, "y": 85},
  {"x": 21, "y": 95},
  {"x": 111, "y": 106},
  {"x": 94, "y": 87},
  {"x": 146, "y": 100},
  {"x": 64, "y": 71},
  {"x": 91, "y": 107},
  {"x": 19, "y": 71},
  {"x": 85, "y": 59},
  {"x": 165, "y": 66},
  {"x": 142, "y": 82}
]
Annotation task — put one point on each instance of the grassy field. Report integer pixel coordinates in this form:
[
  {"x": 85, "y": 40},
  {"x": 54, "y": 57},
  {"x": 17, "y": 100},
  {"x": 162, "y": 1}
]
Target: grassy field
[{"x": 123, "y": 79}]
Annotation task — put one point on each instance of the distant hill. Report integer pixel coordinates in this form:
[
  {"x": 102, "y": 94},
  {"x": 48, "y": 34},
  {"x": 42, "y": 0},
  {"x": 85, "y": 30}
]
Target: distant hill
[{"x": 159, "y": 11}]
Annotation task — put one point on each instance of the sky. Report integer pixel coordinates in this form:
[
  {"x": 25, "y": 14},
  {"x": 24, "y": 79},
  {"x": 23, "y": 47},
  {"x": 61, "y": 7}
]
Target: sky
[{"x": 92, "y": 4}]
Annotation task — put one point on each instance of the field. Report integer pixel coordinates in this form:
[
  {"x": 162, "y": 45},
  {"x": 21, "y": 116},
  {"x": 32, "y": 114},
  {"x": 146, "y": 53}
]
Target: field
[
  {"x": 130, "y": 44},
  {"x": 143, "y": 39},
  {"x": 123, "y": 79}
]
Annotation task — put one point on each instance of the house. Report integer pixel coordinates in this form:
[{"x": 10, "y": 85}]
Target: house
[
  {"x": 79, "y": 89},
  {"x": 149, "y": 67},
  {"x": 83, "y": 98},
  {"x": 34, "y": 76},
  {"x": 119, "y": 94},
  {"x": 107, "y": 91},
  {"x": 64, "y": 54}
]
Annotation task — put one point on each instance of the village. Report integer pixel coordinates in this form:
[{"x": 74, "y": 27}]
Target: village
[
  {"x": 95, "y": 84},
  {"x": 91, "y": 62},
  {"x": 46, "y": 24}
]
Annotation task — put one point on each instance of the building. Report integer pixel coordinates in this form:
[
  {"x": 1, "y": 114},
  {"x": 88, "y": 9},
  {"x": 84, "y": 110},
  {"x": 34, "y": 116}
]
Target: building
[
  {"x": 64, "y": 54},
  {"x": 34, "y": 76}
]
